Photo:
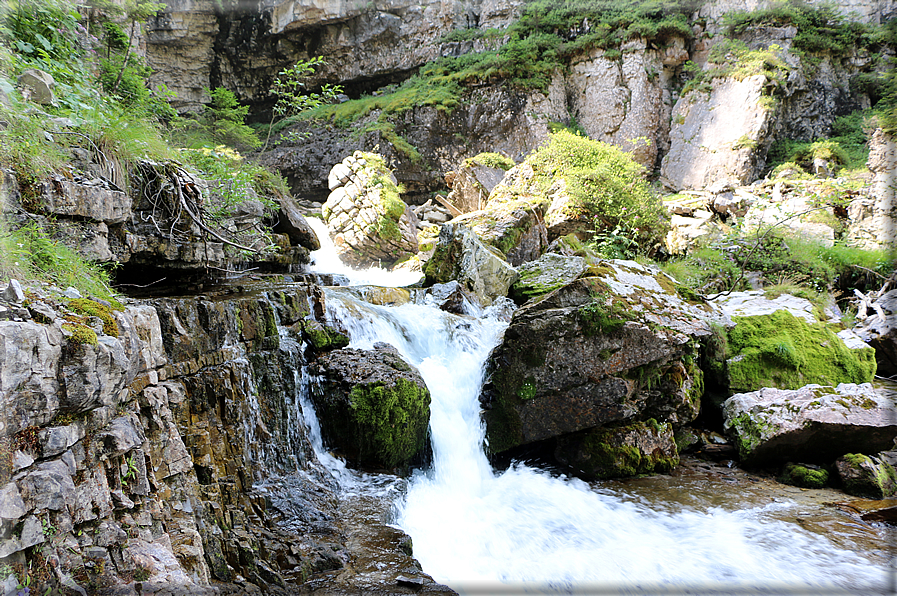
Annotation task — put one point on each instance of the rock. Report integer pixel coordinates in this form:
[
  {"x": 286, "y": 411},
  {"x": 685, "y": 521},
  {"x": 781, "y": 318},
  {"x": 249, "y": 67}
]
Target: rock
[
  {"x": 94, "y": 375},
  {"x": 37, "y": 86},
  {"x": 873, "y": 219},
  {"x": 29, "y": 379},
  {"x": 707, "y": 132},
  {"x": 373, "y": 406},
  {"x": 614, "y": 346},
  {"x": 460, "y": 255},
  {"x": 56, "y": 439},
  {"x": 804, "y": 476},
  {"x": 368, "y": 221},
  {"x": 50, "y": 487},
  {"x": 879, "y": 331},
  {"x": 550, "y": 272},
  {"x": 755, "y": 303},
  {"x": 784, "y": 351},
  {"x": 63, "y": 197},
  {"x": 322, "y": 337},
  {"x": 866, "y": 476},
  {"x": 12, "y": 507},
  {"x": 515, "y": 227},
  {"x": 123, "y": 434},
  {"x": 796, "y": 211},
  {"x": 813, "y": 424},
  {"x": 619, "y": 451},
  {"x": 291, "y": 222},
  {"x": 450, "y": 297},
  {"x": 472, "y": 183},
  {"x": 13, "y": 292}
]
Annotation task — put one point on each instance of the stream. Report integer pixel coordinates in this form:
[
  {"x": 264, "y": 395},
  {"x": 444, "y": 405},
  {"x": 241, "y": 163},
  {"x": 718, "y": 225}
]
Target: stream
[{"x": 704, "y": 529}]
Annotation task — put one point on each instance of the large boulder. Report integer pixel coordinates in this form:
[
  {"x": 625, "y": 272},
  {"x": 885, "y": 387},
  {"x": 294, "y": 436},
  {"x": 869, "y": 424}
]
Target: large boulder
[
  {"x": 879, "y": 330},
  {"x": 814, "y": 424},
  {"x": 617, "y": 345},
  {"x": 373, "y": 406},
  {"x": 868, "y": 476},
  {"x": 366, "y": 217},
  {"x": 550, "y": 272},
  {"x": 516, "y": 227},
  {"x": 291, "y": 222},
  {"x": 460, "y": 255},
  {"x": 475, "y": 179}
]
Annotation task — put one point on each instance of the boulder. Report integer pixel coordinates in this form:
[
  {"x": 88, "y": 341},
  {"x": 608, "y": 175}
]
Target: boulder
[
  {"x": 367, "y": 219},
  {"x": 550, "y": 272},
  {"x": 784, "y": 351},
  {"x": 460, "y": 255},
  {"x": 617, "y": 345},
  {"x": 516, "y": 227},
  {"x": 804, "y": 475},
  {"x": 867, "y": 476},
  {"x": 373, "y": 406},
  {"x": 474, "y": 180},
  {"x": 37, "y": 86},
  {"x": 619, "y": 451},
  {"x": 450, "y": 297},
  {"x": 291, "y": 222},
  {"x": 814, "y": 424},
  {"x": 712, "y": 134}
]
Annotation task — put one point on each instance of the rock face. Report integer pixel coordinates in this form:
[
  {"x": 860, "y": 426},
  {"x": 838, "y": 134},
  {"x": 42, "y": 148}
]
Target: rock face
[
  {"x": 460, "y": 255},
  {"x": 616, "y": 345},
  {"x": 143, "y": 450},
  {"x": 879, "y": 330},
  {"x": 874, "y": 218},
  {"x": 713, "y": 135},
  {"x": 471, "y": 184},
  {"x": 368, "y": 221},
  {"x": 373, "y": 406},
  {"x": 814, "y": 423}
]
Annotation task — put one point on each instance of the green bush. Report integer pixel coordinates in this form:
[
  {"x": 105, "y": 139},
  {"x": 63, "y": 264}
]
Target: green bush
[{"x": 606, "y": 185}]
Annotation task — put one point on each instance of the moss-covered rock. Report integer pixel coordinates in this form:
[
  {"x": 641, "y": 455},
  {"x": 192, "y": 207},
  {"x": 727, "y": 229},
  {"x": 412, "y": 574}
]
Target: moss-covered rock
[
  {"x": 322, "y": 337},
  {"x": 620, "y": 451},
  {"x": 804, "y": 476},
  {"x": 546, "y": 274},
  {"x": 812, "y": 424},
  {"x": 784, "y": 351},
  {"x": 373, "y": 406},
  {"x": 867, "y": 476},
  {"x": 515, "y": 227}
]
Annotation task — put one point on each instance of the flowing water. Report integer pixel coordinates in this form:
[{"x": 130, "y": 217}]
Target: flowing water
[{"x": 526, "y": 529}]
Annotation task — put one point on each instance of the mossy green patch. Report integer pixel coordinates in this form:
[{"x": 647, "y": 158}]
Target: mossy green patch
[
  {"x": 322, "y": 337},
  {"x": 492, "y": 160},
  {"x": 95, "y": 309},
  {"x": 392, "y": 421},
  {"x": 804, "y": 476},
  {"x": 606, "y": 457},
  {"x": 603, "y": 315},
  {"x": 81, "y": 334},
  {"x": 784, "y": 351}
]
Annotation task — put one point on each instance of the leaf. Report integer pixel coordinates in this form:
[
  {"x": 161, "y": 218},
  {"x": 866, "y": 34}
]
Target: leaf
[
  {"x": 24, "y": 46},
  {"x": 44, "y": 41}
]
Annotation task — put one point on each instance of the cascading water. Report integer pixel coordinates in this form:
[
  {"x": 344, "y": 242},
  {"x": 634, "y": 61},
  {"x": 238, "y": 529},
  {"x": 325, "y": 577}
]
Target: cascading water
[{"x": 476, "y": 529}]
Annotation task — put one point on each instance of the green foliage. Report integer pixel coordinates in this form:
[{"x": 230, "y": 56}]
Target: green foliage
[
  {"x": 81, "y": 334},
  {"x": 492, "y": 160},
  {"x": 221, "y": 123},
  {"x": 784, "y": 351},
  {"x": 29, "y": 253},
  {"x": 733, "y": 58},
  {"x": 606, "y": 185},
  {"x": 290, "y": 89}
]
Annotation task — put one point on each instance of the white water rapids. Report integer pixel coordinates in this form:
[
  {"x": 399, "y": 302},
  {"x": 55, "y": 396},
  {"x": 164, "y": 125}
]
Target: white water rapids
[{"x": 484, "y": 531}]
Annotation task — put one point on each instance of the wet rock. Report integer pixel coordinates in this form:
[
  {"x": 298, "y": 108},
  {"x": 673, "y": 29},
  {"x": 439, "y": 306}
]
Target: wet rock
[
  {"x": 460, "y": 255},
  {"x": 867, "y": 476},
  {"x": 804, "y": 476},
  {"x": 615, "y": 345},
  {"x": 619, "y": 451},
  {"x": 373, "y": 406},
  {"x": 450, "y": 297},
  {"x": 323, "y": 337},
  {"x": 813, "y": 424}
]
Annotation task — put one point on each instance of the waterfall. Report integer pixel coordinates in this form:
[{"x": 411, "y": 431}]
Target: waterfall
[{"x": 476, "y": 529}]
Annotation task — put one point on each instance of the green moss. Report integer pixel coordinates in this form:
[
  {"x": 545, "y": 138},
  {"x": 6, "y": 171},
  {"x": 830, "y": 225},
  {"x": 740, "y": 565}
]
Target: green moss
[
  {"x": 492, "y": 160},
  {"x": 603, "y": 315},
  {"x": 322, "y": 337},
  {"x": 391, "y": 207},
  {"x": 392, "y": 421},
  {"x": 81, "y": 334},
  {"x": 95, "y": 309},
  {"x": 606, "y": 459},
  {"x": 784, "y": 351},
  {"x": 804, "y": 476},
  {"x": 749, "y": 433},
  {"x": 527, "y": 390},
  {"x": 857, "y": 459}
]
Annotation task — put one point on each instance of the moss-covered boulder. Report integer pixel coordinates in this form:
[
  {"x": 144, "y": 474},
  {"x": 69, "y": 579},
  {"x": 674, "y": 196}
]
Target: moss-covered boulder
[
  {"x": 460, "y": 255},
  {"x": 619, "y": 451},
  {"x": 550, "y": 272},
  {"x": 784, "y": 351},
  {"x": 321, "y": 337},
  {"x": 373, "y": 407},
  {"x": 616, "y": 345},
  {"x": 867, "y": 476},
  {"x": 813, "y": 424},
  {"x": 804, "y": 475},
  {"x": 365, "y": 214},
  {"x": 515, "y": 227}
]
